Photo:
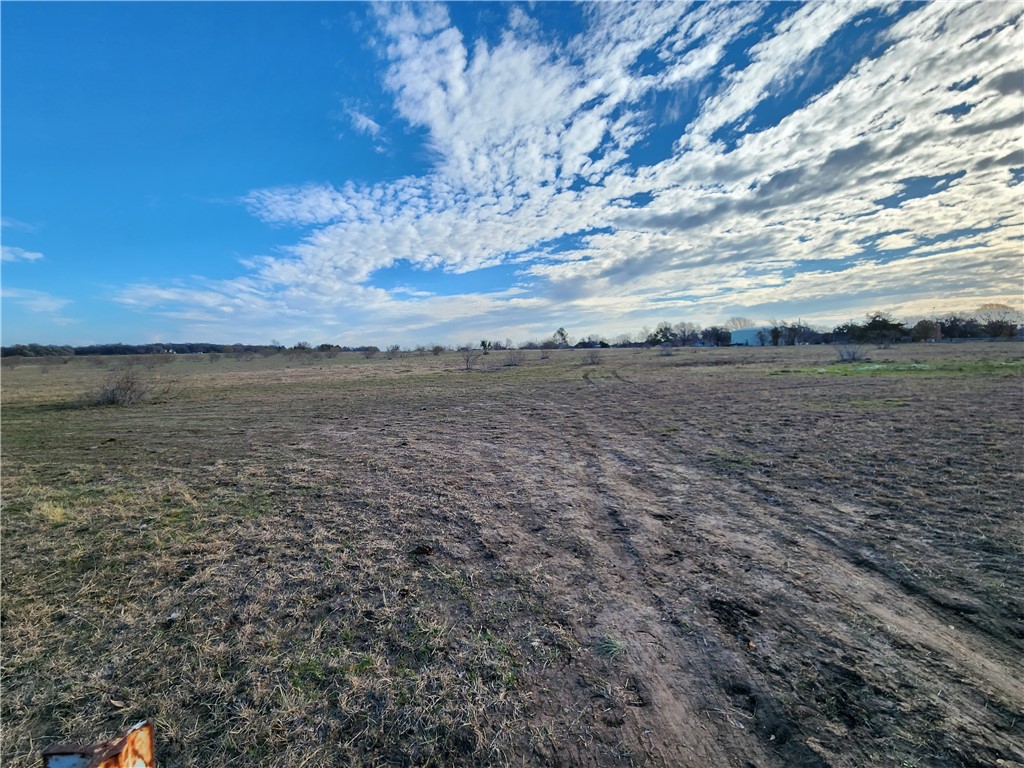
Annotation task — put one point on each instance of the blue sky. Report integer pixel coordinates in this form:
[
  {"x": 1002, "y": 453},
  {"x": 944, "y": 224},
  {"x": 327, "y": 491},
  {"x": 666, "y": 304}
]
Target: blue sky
[{"x": 355, "y": 173}]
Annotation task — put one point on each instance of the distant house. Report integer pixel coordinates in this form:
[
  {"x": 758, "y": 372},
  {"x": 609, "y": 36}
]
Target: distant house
[{"x": 748, "y": 337}]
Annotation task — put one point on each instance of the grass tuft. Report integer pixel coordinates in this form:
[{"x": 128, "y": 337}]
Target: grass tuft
[
  {"x": 612, "y": 647},
  {"x": 52, "y": 512}
]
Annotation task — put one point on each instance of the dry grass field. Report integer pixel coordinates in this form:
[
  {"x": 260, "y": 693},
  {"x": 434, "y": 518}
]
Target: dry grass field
[{"x": 723, "y": 557}]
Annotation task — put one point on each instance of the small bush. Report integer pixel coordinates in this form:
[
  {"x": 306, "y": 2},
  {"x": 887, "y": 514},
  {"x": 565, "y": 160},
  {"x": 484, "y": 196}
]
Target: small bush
[
  {"x": 514, "y": 357},
  {"x": 123, "y": 387},
  {"x": 469, "y": 356},
  {"x": 591, "y": 357},
  {"x": 850, "y": 353}
]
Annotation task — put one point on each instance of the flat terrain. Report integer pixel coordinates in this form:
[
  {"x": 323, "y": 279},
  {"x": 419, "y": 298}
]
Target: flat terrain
[{"x": 735, "y": 557}]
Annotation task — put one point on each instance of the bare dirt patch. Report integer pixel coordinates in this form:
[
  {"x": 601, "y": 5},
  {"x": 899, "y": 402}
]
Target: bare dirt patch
[{"x": 722, "y": 557}]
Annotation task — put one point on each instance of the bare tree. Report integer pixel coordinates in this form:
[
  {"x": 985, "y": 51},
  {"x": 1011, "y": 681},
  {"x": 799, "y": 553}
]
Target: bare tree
[
  {"x": 684, "y": 333},
  {"x": 470, "y": 355},
  {"x": 998, "y": 319},
  {"x": 739, "y": 323}
]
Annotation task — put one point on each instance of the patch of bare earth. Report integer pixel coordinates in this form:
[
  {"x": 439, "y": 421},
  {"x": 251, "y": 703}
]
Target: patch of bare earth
[
  {"x": 645, "y": 562},
  {"x": 840, "y": 594}
]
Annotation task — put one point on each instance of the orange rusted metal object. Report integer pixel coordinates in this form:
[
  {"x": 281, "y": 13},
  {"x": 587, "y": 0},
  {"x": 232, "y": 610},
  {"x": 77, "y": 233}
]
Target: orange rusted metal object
[{"x": 133, "y": 750}]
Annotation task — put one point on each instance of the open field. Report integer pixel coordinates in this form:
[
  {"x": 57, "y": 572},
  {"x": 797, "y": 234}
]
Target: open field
[{"x": 723, "y": 557}]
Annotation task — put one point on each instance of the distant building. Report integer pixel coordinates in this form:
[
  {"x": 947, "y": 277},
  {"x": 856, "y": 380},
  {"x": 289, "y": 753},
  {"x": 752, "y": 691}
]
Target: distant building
[{"x": 748, "y": 337}]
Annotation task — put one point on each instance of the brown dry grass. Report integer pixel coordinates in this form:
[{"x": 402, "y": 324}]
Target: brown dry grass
[{"x": 704, "y": 559}]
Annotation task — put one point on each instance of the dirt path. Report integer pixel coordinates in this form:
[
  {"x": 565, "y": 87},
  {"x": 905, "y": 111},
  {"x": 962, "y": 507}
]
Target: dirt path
[
  {"x": 719, "y": 621},
  {"x": 679, "y": 695}
]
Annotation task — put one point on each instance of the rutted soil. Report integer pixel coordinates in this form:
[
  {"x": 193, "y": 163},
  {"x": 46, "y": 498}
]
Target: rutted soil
[
  {"x": 821, "y": 586},
  {"x": 648, "y": 562}
]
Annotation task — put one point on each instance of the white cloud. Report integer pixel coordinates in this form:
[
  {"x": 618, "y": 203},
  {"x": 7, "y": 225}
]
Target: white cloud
[
  {"x": 35, "y": 301},
  {"x": 11, "y": 253},
  {"x": 533, "y": 141},
  {"x": 9, "y": 223},
  {"x": 363, "y": 124}
]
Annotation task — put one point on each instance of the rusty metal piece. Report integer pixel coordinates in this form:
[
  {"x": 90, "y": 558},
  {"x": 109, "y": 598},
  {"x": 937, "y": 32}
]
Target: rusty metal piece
[{"x": 133, "y": 750}]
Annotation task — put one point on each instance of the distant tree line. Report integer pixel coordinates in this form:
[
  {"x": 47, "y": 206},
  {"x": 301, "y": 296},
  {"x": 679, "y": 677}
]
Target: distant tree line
[
  {"x": 994, "y": 323},
  {"x": 990, "y": 321},
  {"x": 686, "y": 334},
  {"x": 53, "y": 350}
]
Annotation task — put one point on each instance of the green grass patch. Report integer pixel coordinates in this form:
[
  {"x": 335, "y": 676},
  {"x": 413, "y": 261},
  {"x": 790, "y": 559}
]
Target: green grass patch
[
  {"x": 611, "y": 647},
  {"x": 945, "y": 368}
]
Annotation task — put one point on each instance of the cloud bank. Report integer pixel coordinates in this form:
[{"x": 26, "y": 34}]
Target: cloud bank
[{"x": 666, "y": 162}]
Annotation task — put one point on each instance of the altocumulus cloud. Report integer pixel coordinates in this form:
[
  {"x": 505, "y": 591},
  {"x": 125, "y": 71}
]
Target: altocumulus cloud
[{"x": 665, "y": 162}]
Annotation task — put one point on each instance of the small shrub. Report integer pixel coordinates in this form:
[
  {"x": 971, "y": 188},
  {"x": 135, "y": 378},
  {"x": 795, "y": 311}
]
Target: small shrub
[
  {"x": 592, "y": 357},
  {"x": 514, "y": 357},
  {"x": 850, "y": 353},
  {"x": 469, "y": 356},
  {"x": 123, "y": 387}
]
